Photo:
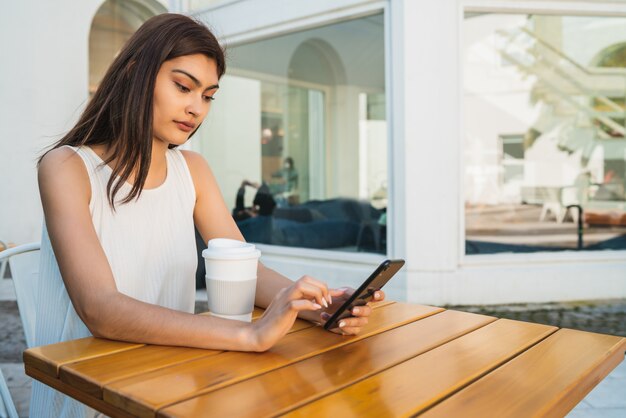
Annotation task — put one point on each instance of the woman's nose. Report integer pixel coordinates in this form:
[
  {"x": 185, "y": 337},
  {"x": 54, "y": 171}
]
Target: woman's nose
[
  {"x": 194, "y": 107},
  {"x": 192, "y": 110}
]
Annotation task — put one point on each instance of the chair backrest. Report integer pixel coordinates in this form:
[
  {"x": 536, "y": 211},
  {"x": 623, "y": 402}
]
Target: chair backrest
[
  {"x": 24, "y": 263},
  {"x": 7, "y": 408}
]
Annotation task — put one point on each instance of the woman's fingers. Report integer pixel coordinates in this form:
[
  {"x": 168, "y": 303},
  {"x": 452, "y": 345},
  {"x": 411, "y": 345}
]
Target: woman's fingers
[
  {"x": 309, "y": 287},
  {"x": 353, "y": 322},
  {"x": 379, "y": 295},
  {"x": 352, "y": 325},
  {"x": 337, "y": 292},
  {"x": 350, "y": 330},
  {"x": 322, "y": 286},
  {"x": 304, "y": 305},
  {"x": 362, "y": 311}
]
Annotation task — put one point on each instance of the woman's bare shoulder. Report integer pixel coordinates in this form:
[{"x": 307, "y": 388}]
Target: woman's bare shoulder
[
  {"x": 63, "y": 168},
  {"x": 194, "y": 160},
  {"x": 63, "y": 158},
  {"x": 198, "y": 166},
  {"x": 201, "y": 175}
]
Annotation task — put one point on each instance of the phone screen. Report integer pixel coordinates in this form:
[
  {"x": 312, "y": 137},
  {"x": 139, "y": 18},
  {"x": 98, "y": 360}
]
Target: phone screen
[{"x": 365, "y": 293}]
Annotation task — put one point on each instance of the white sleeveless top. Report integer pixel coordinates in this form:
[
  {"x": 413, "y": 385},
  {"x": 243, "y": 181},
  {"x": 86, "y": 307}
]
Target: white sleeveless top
[{"x": 150, "y": 246}]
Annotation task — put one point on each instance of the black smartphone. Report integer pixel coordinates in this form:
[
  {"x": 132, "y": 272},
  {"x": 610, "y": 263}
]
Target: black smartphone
[{"x": 365, "y": 292}]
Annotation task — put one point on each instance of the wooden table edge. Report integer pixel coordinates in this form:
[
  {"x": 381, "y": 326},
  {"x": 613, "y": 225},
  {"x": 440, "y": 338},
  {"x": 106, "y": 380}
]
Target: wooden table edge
[
  {"x": 76, "y": 394},
  {"x": 36, "y": 361},
  {"x": 41, "y": 370},
  {"x": 96, "y": 389},
  {"x": 573, "y": 395}
]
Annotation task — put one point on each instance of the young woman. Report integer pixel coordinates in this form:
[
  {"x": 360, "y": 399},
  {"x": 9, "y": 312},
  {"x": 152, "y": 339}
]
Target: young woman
[{"x": 118, "y": 253}]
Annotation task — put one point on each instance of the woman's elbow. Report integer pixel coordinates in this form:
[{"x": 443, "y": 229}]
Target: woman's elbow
[
  {"x": 96, "y": 318},
  {"x": 94, "y": 322}
]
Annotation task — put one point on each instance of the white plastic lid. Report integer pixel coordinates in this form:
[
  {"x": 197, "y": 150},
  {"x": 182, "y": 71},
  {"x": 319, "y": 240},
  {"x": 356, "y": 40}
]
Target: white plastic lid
[{"x": 230, "y": 249}]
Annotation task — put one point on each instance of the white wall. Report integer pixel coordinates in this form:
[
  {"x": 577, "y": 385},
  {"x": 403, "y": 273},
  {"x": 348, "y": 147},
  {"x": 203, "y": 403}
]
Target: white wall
[
  {"x": 43, "y": 87},
  {"x": 44, "y": 76}
]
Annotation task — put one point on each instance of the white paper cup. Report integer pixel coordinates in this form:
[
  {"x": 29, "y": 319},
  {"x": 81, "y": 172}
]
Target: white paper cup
[{"x": 231, "y": 268}]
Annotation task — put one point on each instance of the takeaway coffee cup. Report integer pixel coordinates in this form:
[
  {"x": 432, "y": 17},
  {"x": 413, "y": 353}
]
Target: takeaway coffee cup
[{"x": 231, "y": 267}]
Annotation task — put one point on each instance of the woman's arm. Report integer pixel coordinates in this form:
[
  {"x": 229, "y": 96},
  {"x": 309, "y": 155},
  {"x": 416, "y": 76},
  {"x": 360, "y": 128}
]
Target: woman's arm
[
  {"x": 213, "y": 220},
  {"x": 65, "y": 194}
]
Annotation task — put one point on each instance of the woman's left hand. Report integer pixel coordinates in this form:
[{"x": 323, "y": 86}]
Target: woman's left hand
[{"x": 351, "y": 325}]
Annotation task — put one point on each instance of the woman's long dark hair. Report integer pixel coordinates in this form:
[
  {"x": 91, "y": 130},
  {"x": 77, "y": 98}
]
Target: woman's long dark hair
[{"x": 120, "y": 112}]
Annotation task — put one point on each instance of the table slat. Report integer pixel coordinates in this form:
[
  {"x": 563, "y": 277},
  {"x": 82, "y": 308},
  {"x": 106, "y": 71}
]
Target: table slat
[
  {"x": 88, "y": 400},
  {"x": 416, "y": 384},
  {"x": 283, "y": 389},
  {"x": 92, "y": 374},
  {"x": 547, "y": 380},
  {"x": 49, "y": 358},
  {"x": 89, "y": 376},
  {"x": 142, "y": 395}
]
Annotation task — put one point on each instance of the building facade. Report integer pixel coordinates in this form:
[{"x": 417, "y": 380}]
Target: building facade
[{"x": 467, "y": 137}]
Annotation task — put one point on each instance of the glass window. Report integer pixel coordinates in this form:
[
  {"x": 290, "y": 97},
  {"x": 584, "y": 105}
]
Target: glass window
[
  {"x": 301, "y": 119},
  {"x": 545, "y": 147},
  {"x": 113, "y": 24}
]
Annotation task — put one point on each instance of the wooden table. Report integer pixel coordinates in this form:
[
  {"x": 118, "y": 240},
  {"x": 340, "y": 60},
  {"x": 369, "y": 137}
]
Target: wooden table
[{"x": 410, "y": 359}]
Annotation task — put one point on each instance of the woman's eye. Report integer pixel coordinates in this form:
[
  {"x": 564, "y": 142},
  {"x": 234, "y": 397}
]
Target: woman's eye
[
  {"x": 209, "y": 98},
  {"x": 181, "y": 87}
]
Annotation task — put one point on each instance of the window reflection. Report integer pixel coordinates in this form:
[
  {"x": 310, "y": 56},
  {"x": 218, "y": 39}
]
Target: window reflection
[
  {"x": 298, "y": 136},
  {"x": 545, "y": 141}
]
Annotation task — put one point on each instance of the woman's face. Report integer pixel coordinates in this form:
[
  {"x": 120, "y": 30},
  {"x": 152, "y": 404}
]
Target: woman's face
[{"x": 183, "y": 93}]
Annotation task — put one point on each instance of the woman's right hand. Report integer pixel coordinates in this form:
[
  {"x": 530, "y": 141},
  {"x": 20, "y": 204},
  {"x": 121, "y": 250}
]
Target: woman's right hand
[{"x": 307, "y": 294}]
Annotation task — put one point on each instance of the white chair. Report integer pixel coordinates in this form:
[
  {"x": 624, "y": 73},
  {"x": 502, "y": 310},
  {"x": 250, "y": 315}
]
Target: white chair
[
  {"x": 7, "y": 408},
  {"x": 3, "y": 263},
  {"x": 24, "y": 264}
]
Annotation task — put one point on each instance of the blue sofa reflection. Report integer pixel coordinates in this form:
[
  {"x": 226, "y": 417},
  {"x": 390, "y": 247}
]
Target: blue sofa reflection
[
  {"x": 344, "y": 224},
  {"x": 324, "y": 224}
]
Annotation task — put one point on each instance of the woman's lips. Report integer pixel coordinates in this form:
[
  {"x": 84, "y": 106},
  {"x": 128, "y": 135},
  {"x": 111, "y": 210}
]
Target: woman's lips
[{"x": 185, "y": 127}]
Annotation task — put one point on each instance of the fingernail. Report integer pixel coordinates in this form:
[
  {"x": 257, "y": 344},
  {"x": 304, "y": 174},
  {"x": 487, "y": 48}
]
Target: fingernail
[
  {"x": 331, "y": 299},
  {"x": 342, "y": 324},
  {"x": 324, "y": 303},
  {"x": 377, "y": 295},
  {"x": 355, "y": 310},
  {"x": 316, "y": 306}
]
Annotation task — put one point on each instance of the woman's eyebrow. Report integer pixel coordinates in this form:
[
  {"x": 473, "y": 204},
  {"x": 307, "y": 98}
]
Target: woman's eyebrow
[{"x": 195, "y": 80}]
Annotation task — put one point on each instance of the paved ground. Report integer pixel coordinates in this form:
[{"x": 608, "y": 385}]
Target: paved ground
[
  {"x": 608, "y": 399},
  {"x": 606, "y": 317}
]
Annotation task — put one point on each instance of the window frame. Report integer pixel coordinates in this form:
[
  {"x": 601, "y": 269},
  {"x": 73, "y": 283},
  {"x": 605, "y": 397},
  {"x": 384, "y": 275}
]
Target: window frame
[{"x": 304, "y": 23}]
